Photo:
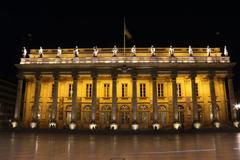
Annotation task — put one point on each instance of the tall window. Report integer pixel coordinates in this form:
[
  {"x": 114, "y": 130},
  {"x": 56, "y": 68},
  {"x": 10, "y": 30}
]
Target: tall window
[
  {"x": 106, "y": 90},
  {"x": 70, "y": 90},
  {"x": 196, "y": 87},
  {"x": 142, "y": 90},
  {"x": 124, "y": 89},
  {"x": 52, "y": 89},
  {"x": 179, "y": 90},
  {"x": 89, "y": 90},
  {"x": 160, "y": 90}
]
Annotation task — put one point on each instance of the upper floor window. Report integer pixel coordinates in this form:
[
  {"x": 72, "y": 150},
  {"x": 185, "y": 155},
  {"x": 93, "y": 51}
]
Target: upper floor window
[
  {"x": 142, "y": 90},
  {"x": 179, "y": 90},
  {"x": 160, "y": 90},
  {"x": 106, "y": 90},
  {"x": 89, "y": 90},
  {"x": 196, "y": 89},
  {"x": 70, "y": 90},
  {"x": 124, "y": 89}
]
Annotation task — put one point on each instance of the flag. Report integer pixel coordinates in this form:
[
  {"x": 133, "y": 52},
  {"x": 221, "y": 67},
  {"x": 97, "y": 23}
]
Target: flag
[{"x": 126, "y": 32}]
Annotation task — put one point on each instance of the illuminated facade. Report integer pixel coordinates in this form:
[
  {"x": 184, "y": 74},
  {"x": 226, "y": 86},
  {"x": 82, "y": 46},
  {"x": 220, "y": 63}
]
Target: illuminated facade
[{"x": 126, "y": 88}]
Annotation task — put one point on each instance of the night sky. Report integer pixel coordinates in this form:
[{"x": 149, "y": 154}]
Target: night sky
[{"x": 105, "y": 31}]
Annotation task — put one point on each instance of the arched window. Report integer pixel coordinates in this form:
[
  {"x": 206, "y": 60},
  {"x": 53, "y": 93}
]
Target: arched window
[
  {"x": 162, "y": 115},
  {"x": 124, "y": 108},
  {"x": 87, "y": 113},
  {"x": 180, "y": 113}
]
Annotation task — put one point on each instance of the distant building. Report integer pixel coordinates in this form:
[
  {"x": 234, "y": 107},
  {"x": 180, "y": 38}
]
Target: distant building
[
  {"x": 141, "y": 91},
  {"x": 7, "y": 101}
]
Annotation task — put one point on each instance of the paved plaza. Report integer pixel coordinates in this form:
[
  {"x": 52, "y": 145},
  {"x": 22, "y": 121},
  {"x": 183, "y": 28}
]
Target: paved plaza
[{"x": 60, "y": 146}]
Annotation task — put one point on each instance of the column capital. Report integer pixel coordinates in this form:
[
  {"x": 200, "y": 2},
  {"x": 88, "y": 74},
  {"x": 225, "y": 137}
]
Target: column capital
[
  {"x": 56, "y": 75},
  {"x": 20, "y": 76},
  {"x": 38, "y": 75},
  {"x": 174, "y": 75},
  {"x": 94, "y": 74},
  {"x": 134, "y": 74},
  {"x": 154, "y": 74},
  {"x": 230, "y": 75},
  {"x": 114, "y": 75},
  {"x": 193, "y": 75},
  {"x": 211, "y": 75},
  {"x": 75, "y": 75}
]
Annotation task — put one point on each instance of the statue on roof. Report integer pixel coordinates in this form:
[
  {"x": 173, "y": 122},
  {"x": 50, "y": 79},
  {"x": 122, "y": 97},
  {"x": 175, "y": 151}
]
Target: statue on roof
[
  {"x": 24, "y": 51},
  {"x": 208, "y": 51},
  {"x": 95, "y": 51},
  {"x": 59, "y": 52},
  {"x": 190, "y": 51},
  {"x": 75, "y": 51},
  {"x": 40, "y": 52},
  {"x": 153, "y": 51},
  {"x": 225, "y": 51},
  {"x": 115, "y": 50},
  {"x": 133, "y": 50},
  {"x": 171, "y": 51}
]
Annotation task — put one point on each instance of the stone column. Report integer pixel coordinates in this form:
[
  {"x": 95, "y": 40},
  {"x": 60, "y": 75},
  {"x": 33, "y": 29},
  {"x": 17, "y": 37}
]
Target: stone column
[
  {"x": 114, "y": 97},
  {"x": 55, "y": 97},
  {"x": 213, "y": 96},
  {"x": 74, "y": 97},
  {"x": 94, "y": 96},
  {"x": 194, "y": 98},
  {"x": 154, "y": 98},
  {"x": 134, "y": 97},
  {"x": 174, "y": 97},
  {"x": 36, "y": 97},
  {"x": 231, "y": 97},
  {"x": 19, "y": 98}
]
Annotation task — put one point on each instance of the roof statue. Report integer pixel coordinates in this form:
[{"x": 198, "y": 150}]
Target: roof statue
[
  {"x": 40, "y": 52},
  {"x": 76, "y": 52},
  {"x": 59, "y": 52},
  {"x": 24, "y": 51},
  {"x": 95, "y": 51},
  {"x": 225, "y": 51},
  {"x": 153, "y": 51},
  {"x": 115, "y": 50},
  {"x": 133, "y": 50},
  {"x": 190, "y": 51},
  {"x": 208, "y": 51},
  {"x": 171, "y": 51}
]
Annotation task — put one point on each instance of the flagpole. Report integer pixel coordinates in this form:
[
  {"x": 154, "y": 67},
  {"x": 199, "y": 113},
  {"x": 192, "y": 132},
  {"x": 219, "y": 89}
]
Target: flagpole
[{"x": 124, "y": 40}]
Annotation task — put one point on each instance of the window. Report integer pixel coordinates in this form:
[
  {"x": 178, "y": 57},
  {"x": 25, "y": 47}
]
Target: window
[
  {"x": 196, "y": 89},
  {"x": 142, "y": 90},
  {"x": 160, "y": 90},
  {"x": 52, "y": 89},
  {"x": 70, "y": 90},
  {"x": 179, "y": 90},
  {"x": 89, "y": 90},
  {"x": 124, "y": 89},
  {"x": 106, "y": 90}
]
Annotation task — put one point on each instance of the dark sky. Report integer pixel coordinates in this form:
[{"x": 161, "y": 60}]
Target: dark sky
[{"x": 104, "y": 31}]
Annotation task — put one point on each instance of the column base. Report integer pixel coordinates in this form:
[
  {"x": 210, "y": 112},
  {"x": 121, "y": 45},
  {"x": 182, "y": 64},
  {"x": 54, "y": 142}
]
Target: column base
[
  {"x": 33, "y": 124},
  {"x": 216, "y": 124},
  {"x": 113, "y": 126},
  {"x": 52, "y": 124},
  {"x": 236, "y": 124},
  {"x": 14, "y": 124},
  {"x": 72, "y": 125},
  {"x": 177, "y": 125},
  {"x": 156, "y": 126},
  {"x": 197, "y": 125},
  {"x": 135, "y": 126},
  {"x": 93, "y": 126}
]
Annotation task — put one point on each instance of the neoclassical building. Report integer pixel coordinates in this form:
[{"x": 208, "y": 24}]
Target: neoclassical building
[{"x": 136, "y": 88}]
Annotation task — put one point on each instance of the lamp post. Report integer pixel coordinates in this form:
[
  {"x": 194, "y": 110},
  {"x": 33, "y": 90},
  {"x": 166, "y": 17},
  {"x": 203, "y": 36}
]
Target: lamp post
[{"x": 236, "y": 122}]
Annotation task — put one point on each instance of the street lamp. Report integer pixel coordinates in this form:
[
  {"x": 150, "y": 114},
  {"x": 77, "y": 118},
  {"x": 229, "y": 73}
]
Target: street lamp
[{"x": 236, "y": 122}]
